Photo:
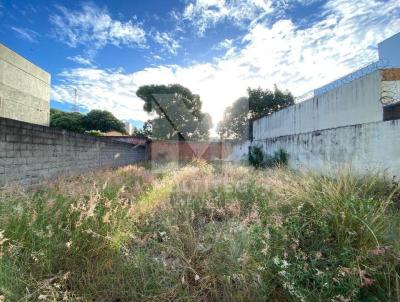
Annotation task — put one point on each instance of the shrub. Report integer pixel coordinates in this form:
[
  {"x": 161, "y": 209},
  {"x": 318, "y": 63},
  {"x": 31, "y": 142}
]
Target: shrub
[
  {"x": 258, "y": 159},
  {"x": 96, "y": 133}
]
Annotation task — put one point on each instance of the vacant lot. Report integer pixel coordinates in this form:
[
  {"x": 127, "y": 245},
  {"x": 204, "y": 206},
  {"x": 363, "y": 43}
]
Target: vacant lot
[{"x": 201, "y": 233}]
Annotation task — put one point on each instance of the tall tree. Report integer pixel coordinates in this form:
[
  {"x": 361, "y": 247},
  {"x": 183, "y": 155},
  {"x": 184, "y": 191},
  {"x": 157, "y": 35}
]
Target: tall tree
[
  {"x": 265, "y": 102},
  {"x": 178, "y": 110},
  {"x": 145, "y": 131},
  {"x": 104, "y": 121},
  {"x": 260, "y": 102},
  {"x": 71, "y": 121},
  {"x": 235, "y": 122},
  {"x": 76, "y": 122}
]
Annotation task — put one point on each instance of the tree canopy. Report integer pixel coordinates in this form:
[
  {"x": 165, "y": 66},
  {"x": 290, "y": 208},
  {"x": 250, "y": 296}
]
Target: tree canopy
[
  {"x": 178, "y": 110},
  {"x": 235, "y": 122},
  {"x": 101, "y": 120},
  {"x": 71, "y": 121},
  {"x": 104, "y": 121},
  {"x": 144, "y": 132},
  {"x": 259, "y": 102},
  {"x": 264, "y": 102}
]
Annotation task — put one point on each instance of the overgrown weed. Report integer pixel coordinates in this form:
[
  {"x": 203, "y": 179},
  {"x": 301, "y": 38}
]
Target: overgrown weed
[{"x": 199, "y": 233}]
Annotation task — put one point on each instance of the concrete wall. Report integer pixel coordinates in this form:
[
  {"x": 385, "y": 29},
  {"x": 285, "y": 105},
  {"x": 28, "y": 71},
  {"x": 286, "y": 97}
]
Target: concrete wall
[
  {"x": 31, "y": 153},
  {"x": 372, "y": 146},
  {"x": 354, "y": 103},
  {"x": 389, "y": 50},
  {"x": 24, "y": 89},
  {"x": 239, "y": 151}
]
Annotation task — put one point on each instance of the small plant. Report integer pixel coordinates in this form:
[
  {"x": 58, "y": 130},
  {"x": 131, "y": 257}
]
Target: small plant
[
  {"x": 279, "y": 159},
  {"x": 256, "y": 157},
  {"x": 259, "y": 159},
  {"x": 94, "y": 133}
]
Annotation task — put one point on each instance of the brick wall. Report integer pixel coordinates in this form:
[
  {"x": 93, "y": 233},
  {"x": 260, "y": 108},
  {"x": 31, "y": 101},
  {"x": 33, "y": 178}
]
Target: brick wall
[{"x": 32, "y": 153}]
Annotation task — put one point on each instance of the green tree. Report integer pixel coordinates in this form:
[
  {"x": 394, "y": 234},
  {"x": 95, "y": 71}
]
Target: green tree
[
  {"x": 104, "y": 121},
  {"x": 265, "y": 102},
  {"x": 76, "y": 122},
  {"x": 259, "y": 102},
  {"x": 71, "y": 121},
  {"x": 145, "y": 131},
  {"x": 235, "y": 122},
  {"x": 178, "y": 110}
]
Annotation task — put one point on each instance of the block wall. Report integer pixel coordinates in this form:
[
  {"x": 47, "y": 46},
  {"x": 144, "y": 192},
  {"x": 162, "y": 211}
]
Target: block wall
[{"x": 31, "y": 153}]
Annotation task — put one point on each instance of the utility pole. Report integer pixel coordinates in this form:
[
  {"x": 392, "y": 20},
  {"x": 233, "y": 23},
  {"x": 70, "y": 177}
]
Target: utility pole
[{"x": 75, "y": 104}]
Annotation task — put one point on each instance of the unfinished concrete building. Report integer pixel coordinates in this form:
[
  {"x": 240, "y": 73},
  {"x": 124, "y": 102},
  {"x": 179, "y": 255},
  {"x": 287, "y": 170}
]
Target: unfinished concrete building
[{"x": 24, "y": 89}]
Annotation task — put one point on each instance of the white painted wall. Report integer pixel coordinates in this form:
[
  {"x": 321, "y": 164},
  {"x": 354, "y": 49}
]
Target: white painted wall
[
  {"x": 357, "y": 102},
  {"x": 240, "y": 151},
  {"x": 372, "y": 146}
]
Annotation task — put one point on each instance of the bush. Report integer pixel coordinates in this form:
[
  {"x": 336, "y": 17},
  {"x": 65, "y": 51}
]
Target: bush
[
  {"x": 96, "y": 133},
  {"x": 258, "y": 159}
]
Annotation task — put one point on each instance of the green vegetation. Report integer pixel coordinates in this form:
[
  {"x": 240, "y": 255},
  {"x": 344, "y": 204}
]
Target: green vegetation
[
  {"x": 258, "y": 103},
  {"x": 179, "y": 113},
  {"x": 258, "y": 159},
  {"x": 202, "y": 233},
  {"x": 71, "y": 121},
  {"x": 97, "y": 120}
]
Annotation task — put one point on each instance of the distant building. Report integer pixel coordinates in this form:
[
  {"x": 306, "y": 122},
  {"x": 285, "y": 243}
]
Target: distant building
[
  {"x": 128, "y": 128},
  {"x": 24, "y": 89}
]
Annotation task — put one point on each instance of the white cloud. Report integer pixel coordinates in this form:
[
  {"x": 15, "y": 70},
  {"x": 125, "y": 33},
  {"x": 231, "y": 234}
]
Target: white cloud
[
  {"x": 110, "y": 90},
  {"x": 26, "y": 34},
  {"x": 228, "y": 46},
  {"x": 296, "y": 58},
  {"x": 225, "y": 44},
  {"x": 167, "y": 42},
  {"x": 94, "y": 27},
  {"x": 157, "y": 57},
  {"x": 81, "y": 60},
  {"x": 204, "y": 14}
]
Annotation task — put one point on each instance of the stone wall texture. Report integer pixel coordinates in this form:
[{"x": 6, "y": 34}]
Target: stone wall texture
[
  {"x": 32, "y": 153},
  {"x": 24, "y": 89}
]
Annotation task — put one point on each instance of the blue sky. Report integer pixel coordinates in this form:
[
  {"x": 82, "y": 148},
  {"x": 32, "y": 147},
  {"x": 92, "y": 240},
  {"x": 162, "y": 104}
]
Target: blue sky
[{"x": 217, "y": 48}]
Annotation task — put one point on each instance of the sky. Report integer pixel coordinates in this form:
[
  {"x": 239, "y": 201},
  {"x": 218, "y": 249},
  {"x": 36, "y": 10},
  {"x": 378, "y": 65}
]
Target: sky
[{"x": 217, "y": 48}]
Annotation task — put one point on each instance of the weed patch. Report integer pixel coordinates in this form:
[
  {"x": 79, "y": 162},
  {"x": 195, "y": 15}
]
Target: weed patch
[{"x": 199, "y": 233}]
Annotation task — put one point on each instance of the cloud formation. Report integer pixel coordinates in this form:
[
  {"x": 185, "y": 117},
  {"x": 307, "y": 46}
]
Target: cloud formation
[
  {"x": 294, "y": 57},
  {"x": 203, "y": 14},
  {"x": 81, "y": 60},
  {"x": 95, "y": 27},
  {"x": 26, "y": 33},
  {"x": 167, "y": 42}
]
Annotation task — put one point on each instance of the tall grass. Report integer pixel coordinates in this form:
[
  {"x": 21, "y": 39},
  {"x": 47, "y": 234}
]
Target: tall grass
[{"x": 199, "y": 233}]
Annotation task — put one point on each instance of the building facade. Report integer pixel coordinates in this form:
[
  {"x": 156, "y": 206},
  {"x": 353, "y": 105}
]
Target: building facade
[{"x": 24, "y": 89}]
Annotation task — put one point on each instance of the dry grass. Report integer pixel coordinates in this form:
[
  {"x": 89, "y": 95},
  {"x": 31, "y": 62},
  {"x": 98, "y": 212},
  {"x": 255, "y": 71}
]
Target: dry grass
[{"x": 201, "y": 233}]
